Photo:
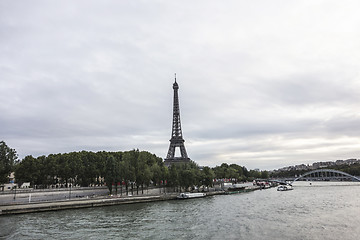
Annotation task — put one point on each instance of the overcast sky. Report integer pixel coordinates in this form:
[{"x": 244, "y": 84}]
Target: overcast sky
[{"x": 263, "y": 84}]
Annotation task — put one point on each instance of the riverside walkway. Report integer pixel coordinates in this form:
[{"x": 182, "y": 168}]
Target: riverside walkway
[
  {"x": 81, "y": 203},
  {"x": 89, "y": 202}
]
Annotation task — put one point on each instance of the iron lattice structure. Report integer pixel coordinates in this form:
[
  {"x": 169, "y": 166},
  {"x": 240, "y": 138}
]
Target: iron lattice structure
[{"x": 176, "y": 134}]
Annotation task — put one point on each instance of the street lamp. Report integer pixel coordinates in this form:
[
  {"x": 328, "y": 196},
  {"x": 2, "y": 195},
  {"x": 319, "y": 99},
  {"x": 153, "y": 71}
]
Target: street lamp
[
  {"x": 14, "y": 192},
  {"x": 70, "y": 191}
]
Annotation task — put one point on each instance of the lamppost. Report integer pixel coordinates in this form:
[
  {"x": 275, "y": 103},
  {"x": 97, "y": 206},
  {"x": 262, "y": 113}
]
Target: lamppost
[
  {"x": 70, "y": 191},
  {"x": 14, "y": 193}
]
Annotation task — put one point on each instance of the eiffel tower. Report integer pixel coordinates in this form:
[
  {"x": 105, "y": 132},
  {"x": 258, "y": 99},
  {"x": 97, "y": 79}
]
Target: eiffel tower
[{"x": 176, "y": 135}]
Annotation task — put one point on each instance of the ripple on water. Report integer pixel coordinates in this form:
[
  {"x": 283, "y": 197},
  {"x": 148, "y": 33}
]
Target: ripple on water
[{"x": 326, "y": 212}]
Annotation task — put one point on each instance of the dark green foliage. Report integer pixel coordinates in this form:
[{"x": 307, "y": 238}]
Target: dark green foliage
[
  {"x": 130, "y": 170},
  {"x": 208, "y": 176},
  {"x": 237, "y": 173},
  {"x": 111, "y": 173},
  {"x": 90, "y": 169},
  {"x": 8, "y": 158},
  {"x": 28, "y": 170},
  {"x": 184, "y": 176},
  {"x": 264, "y": 174}
]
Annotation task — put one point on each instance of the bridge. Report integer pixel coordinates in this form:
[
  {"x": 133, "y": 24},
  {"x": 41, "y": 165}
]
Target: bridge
[
  {"x": 316, "y": 175},
  {"x": 326, "y": 175}
]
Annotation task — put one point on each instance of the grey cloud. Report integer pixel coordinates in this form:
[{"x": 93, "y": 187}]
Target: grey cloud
[
  {"x": 313, "y": 89},
  {"x": 98, "y": 76}
]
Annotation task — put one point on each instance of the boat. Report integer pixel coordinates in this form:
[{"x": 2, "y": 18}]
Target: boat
[
  {"x": 187, "y": 195},
  {"x": 284, "y": 188},
  {"x": 235, "y": 189}
]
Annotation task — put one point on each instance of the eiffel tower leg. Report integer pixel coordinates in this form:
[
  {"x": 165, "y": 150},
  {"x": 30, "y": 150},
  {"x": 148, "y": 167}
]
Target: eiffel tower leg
[
  {"x": 171, "y": 152},
  {"x": 183, "y": 151}
]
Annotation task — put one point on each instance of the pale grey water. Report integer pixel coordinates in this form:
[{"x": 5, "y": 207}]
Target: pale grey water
[{"x": 320, "y": 211}]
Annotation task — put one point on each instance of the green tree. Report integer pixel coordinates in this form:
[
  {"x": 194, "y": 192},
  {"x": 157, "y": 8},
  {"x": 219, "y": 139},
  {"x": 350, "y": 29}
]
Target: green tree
[
  {"x": 41, "y": 178},
  {"x": 207, "y": 176},
  {"x": 63, "y": 169},
  {"x": 245, "y": 172},
  {"x": 173, "y": 176},
  {"x": 89, "y": 168},
  {"x": 254, "y": 174},
  {"x": 8, "y": 159},
  {"x": 156, "y": 174},
  {"x": 129, "y": 159},
  {"x": 28, "y": 170},
  {"x": 188, "y": 178},
  {"x": 264, "y": 174},
  {"x": 231, "y": 173},
  {"x": 110, "y": 175},
  {"x": 220, "y": 171},
  {"x": 238, "y": 169},
  {"x": 144, "y": 177},
  {"x": 188, "y": 175},
  {"x": 51, "y": 169}
]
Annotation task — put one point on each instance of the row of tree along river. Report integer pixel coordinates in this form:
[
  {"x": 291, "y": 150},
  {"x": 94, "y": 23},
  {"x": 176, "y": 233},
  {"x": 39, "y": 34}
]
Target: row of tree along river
[{"x": 135, "y": 169}]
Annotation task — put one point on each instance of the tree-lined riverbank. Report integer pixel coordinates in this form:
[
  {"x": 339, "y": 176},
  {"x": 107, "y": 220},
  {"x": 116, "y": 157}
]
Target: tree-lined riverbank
[
  {"x": 122, "y": 170},
  {"x": 80, "y": 203},
  {"x": 88, "y": 202},
  {"x": 156, "y": 194}
]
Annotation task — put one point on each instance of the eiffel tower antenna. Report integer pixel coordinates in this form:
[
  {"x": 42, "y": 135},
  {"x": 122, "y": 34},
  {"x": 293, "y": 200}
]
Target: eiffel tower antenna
[{"x": 176, "y": 140}]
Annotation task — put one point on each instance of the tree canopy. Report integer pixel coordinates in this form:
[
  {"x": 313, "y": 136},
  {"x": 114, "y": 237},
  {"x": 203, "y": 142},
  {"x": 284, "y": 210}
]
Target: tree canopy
[
  {"x": 88, "y": 169},
  {"x": 135, "y": 169},
  {"x": 8, "y": 159}
]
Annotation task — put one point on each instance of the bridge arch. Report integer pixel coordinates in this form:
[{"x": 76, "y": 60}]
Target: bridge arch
[{"x": 326, "y": 171}]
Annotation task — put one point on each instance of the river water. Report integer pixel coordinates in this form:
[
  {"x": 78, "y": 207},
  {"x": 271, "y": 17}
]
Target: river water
[{"x": 318, "y": 211}]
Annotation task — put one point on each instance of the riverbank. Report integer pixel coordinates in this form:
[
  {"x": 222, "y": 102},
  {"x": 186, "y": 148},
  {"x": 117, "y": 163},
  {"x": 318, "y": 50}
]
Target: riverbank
[
  {"x": 80, "y": 203},
  {"x": 321, "y": 210},
  {"x": 89, "y": 203}
]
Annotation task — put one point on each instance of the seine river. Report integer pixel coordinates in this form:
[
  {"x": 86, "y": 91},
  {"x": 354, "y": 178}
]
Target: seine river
[{"x": 318, "y": 211}]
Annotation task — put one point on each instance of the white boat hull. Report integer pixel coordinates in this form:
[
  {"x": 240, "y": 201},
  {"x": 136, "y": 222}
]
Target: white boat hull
[
  {"x": 284, "y": 188},
  {"x": 191, "y": 195}
]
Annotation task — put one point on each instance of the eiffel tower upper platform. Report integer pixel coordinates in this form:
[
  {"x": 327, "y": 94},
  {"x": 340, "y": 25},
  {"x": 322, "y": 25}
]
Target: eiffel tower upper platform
[{"x": 176, "y": 134}]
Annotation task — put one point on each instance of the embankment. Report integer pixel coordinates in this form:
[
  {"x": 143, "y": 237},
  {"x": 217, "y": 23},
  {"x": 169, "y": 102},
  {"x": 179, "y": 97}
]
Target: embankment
[
  {"x": 83, "y": 203},
  {"x": 88, "y": 203}
]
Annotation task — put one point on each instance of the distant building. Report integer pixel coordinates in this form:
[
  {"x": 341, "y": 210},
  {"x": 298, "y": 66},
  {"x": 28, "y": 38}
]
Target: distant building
[
  {"x": 351, "y": 161},
  {"x": 25, "y": 185},
  {"x": 318, "y": 165},
  {"x": 323, "y": 164},
  {"x": 339, "y": 162},
  {"x": 301, "y": 167},
  {"x": 11, "y": 184}
]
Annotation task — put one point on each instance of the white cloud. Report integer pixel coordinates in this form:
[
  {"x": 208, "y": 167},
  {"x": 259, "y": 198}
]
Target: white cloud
[{"x": 258, "y": 80}]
